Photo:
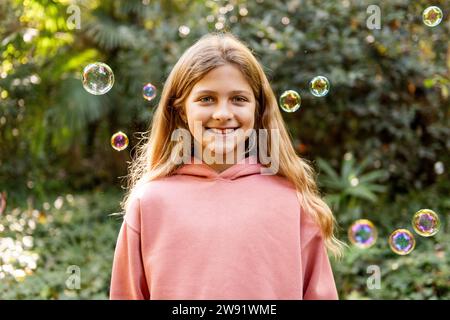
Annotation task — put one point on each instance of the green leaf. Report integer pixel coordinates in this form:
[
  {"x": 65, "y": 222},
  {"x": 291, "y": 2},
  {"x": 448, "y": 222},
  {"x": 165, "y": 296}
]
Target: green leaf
[
  {"x": 372, "y": 176},
  {"x": 362, "y": 192},
  {"x": 347, "y": 167},
  {"x": 327, "y": 168}
]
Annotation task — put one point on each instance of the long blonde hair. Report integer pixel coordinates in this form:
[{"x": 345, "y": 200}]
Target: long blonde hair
[{"x": 153, "y": 154}]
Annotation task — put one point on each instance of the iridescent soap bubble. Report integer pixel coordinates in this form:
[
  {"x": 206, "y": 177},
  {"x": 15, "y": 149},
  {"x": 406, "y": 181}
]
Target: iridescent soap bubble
[
  {"x": 149, "y": 92},
  {"x": 402, "y": 241},
  {"x": 119, "y": 141},
  {"x": 319, "y": 86},
  {"x": 290, "y": 101},
  {"x": 362, "y": 233},
  {"x": 98, "y": 78},
  {"x": 426, "y": 222},
  {"x": 432, "y": 16}
]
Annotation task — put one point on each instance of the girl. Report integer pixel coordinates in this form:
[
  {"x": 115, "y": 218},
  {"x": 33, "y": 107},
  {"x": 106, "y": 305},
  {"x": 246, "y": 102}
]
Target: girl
[{"x": 214, "y": 230}]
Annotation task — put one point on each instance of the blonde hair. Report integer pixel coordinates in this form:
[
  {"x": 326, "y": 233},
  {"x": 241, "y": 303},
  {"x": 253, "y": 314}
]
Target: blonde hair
[{"x": 153, "y": 154}]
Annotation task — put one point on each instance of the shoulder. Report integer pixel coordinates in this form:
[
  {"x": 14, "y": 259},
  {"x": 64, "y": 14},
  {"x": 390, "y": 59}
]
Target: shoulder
[
  {"x": 143, "y": 195},
  {"x": 309, "y": 227},
  {"x": 277, "y": 180}
]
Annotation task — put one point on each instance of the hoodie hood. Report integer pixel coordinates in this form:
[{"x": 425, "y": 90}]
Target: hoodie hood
[{"x": 245, "y": 167}]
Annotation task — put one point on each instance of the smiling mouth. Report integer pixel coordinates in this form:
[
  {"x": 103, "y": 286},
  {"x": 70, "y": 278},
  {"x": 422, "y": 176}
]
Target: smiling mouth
[{"x": 221, "y": 131}]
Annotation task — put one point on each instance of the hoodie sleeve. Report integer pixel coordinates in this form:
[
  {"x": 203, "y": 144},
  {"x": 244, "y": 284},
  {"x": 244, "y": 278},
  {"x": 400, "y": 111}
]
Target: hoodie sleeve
[
  {"x": 128, "y": 280},
  {"x": 318, "y": 280}
]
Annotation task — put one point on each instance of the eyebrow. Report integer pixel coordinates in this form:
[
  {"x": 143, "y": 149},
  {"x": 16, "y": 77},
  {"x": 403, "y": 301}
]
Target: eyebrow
[{"x": 232, "y": 92}]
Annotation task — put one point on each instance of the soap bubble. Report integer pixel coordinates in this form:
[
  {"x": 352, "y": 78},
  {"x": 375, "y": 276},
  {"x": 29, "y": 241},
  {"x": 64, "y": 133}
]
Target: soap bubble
[
  {"x": 362, "y": 233},
  {"x": 119, "y": 141},
  {"x": 290, "y": 101},
  {"x": 319, "y": 86},
  {"x": 426, "y": 222},
  {"x": 402, "y": 241},
  {"x": 98, "y": 78},
  {"x": 432, "y": 16},
  {"x": 149, "y": 92}
]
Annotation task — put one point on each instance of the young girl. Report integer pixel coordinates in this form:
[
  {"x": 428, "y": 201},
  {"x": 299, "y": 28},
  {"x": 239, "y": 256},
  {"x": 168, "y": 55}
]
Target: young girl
[{"x": 214, "y": 230}]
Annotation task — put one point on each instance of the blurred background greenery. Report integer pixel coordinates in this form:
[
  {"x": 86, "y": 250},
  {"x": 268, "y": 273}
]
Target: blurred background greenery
[{"x": 380, "y": 139}]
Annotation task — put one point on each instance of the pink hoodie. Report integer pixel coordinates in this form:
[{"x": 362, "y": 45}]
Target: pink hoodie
[{"x": 238, "y": 234}]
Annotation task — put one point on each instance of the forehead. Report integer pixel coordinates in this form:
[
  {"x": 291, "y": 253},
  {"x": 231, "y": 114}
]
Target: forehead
[{"x": 227, "y": 78}]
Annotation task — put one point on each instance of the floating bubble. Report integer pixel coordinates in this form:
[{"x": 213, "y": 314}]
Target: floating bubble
[
  {"x": 119, "y": 141},
  {"x": 149, "y": 92},
  {"x": 362, "y": 233},
  {"x": 426, "y": 222},
  {"x": 402, "y": 241},
  {"x": 432, "y": 16},
  {"x": 319, "y": 86},
  {"x": 290, "y": 101},
  {"x": 98, "y": 78}
]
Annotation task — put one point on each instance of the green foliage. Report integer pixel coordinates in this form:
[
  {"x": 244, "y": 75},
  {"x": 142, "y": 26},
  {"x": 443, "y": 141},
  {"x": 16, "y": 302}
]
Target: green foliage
[
  {"x": 423, "y": 274},
  {"x": 388, "y": 105},
  {"x": 347, "y": 191},
  {"x": 72, "y": 231},
  {"x": 388, "y": 99}
]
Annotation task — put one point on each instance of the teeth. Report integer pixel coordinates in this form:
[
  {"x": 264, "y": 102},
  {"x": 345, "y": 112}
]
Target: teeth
[{"x": 221, "y": 131}]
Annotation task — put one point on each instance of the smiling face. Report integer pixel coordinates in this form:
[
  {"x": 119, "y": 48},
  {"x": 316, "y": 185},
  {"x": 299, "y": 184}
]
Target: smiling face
[{"x": 220, "y": 103}]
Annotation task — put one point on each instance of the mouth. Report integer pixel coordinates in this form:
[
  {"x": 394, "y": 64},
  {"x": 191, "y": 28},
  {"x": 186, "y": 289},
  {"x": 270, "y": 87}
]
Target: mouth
[{"x": 221, "y": 131}]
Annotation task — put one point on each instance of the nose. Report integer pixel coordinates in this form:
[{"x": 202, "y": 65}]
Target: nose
[{"x": 222, "y": 111}]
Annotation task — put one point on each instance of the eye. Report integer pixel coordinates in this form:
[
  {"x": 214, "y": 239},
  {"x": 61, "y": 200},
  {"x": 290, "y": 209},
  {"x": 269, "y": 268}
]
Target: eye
[
  {"x": 240, "y": 99},
  {"x": 202, "y": 99}
]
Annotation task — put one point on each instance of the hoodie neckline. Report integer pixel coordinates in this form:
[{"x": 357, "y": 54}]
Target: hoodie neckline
[{"x": 245, "y": 167}]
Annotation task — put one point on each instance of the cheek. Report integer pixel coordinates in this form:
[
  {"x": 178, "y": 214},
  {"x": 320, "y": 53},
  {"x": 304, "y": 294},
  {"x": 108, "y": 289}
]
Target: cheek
[
  {"x": 196, "y": 116},
  {"x": 194, "y": 113},
  {"x": 247, "y": 117}
]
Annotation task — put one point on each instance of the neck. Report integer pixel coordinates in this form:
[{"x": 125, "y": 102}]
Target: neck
[{"x": 223, "y": 162}]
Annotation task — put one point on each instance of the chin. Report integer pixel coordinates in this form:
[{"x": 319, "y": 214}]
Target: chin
[{"x": 220, "y": 150}]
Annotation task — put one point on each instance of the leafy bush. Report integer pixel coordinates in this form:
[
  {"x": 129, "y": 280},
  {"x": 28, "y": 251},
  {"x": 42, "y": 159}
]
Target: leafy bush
[
  {"x": 74, "y": 235},
  {"x": 423, "y": 274},
  {"x": 388, "y": 98},
  {"x": 348, "y": 190}
]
